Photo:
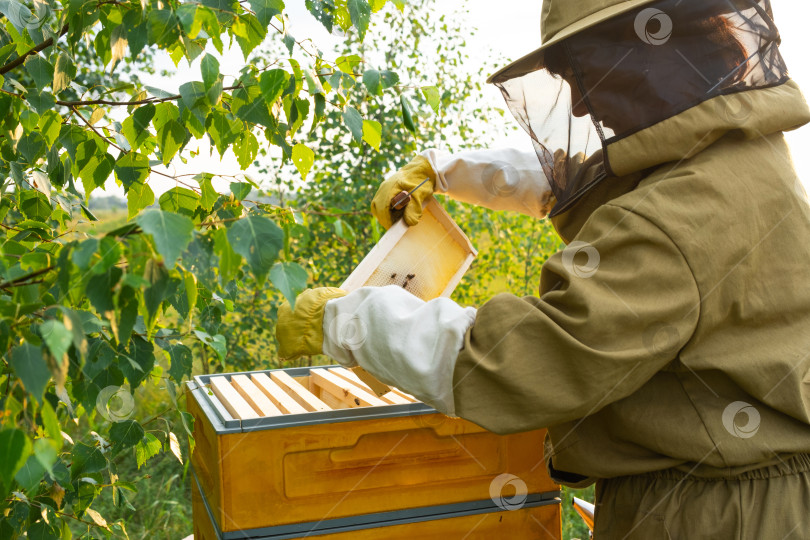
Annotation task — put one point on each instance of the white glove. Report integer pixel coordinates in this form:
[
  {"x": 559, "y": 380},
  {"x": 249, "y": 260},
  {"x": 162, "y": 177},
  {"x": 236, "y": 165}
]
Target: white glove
[
  {"x": 502, "y": 179},
  {"x": 400, "y": 339}
]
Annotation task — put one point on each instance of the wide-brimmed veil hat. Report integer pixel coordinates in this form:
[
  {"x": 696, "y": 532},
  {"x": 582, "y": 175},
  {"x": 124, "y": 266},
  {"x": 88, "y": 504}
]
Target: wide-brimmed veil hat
[{"x": 607, "y": 69}]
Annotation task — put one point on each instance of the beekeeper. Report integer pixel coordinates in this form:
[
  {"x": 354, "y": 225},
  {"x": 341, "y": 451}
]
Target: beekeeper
[{"x": 668, "y": 352}]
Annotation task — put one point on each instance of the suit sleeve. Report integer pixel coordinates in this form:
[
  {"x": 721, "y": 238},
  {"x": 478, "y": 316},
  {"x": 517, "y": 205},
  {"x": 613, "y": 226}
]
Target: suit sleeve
[
  {"x": 618, "y": 304},
  {"x": 498, "y": 179}
]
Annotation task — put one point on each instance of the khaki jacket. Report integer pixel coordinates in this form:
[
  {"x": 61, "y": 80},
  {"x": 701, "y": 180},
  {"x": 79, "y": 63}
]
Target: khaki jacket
[{"x": 674, "y": 330}]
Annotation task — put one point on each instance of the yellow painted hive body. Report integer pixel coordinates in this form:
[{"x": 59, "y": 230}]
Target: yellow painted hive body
[{"x": 345, "y": 461}]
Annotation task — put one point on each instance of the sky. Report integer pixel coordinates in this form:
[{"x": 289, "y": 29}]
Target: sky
[{"x": 510, "y": 31}]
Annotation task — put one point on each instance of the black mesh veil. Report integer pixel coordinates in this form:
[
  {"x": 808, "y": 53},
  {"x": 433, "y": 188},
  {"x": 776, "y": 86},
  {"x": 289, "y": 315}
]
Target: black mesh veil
[{"x": 635, "y": 70}]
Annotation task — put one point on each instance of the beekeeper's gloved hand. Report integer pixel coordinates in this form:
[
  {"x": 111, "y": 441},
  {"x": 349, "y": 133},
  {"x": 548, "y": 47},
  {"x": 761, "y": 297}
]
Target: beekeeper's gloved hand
[
  {"x": 405, "y": 179},
  {"x": 299, "y": 331}
]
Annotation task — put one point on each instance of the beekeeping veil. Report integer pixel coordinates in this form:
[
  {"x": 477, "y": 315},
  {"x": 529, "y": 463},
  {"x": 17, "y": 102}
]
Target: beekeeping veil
[{"x": 608, "y": 69}]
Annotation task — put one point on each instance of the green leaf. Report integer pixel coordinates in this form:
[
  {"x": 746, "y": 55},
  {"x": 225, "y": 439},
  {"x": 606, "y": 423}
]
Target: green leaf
[
  {"x": 63, "y": 73},
  {"x": 372, "y": 133},
  {"x": 27, "y": 362},
  {"x": 347, "y": 64},
  {"x": 344, "y": 231},
  {"x": 135, "y": 127},
  {"x": 209, "y": 66},
  {"x": 125, "y": 434},
  {"x": 30, "y": 475},
  {"x": 373, "y": 81},
  {"x": 157, "y": 275},
  {"x": 31, "y": 146},
  {"x": 40, "y": 70},
  {"x": 99, "y": 290},
  {"x": 51, "y": 423},
  {"x": 181, "y": 362},
  {"x": 323, "y": 11},
  {"x": 249, "y": 33},
  {"x": 83, "y": 253},
  {"x": 258, "y": 240},
  {"x": 180, "y": 200},
  {"x": 171, "y": 232},
  {"x": 257, "y": 113},
  {"x": 147, "y": 448},
  {"x": 240, "y": 190},
  {"x": 194, "y": 97},
  {"x": 377, "y": 5},
  {"x": 272, "y": 83},
  {"x": 407, "y": 114},
  {"x": 15, "y": 448},
  {"x": 139, "y": 197},
  {"x": 139, "y": 362},
  {"x": 265, "y": 10},
  {"x": 50, "y": 124},
  {"x": 303, "y": 158},
  {"x": 41, "y": 102},
  {"x": 95, "y": 173},
  {"x": 246, "y": 148},
  {"x": 171, "y": 137},
  {"x": 163, "y": 28},
  {"x": 216, "y": 342},
  {"x": 35, "y": 205},
  {"x": 289, "y": 278},
  {"x": 57, "y": 337},
  {"x": 222, "y": 130},
  {"x": 229, "y": 261},
  {"x": 132, "y": 168},
  {"x": 86, "y": 459},
  {"x": 431, "y": 94},
  {"x": 209, "y": 194},
  {"x": 360, "y": 12},
  {"x": 46, "y": 452},
  {"x": 352, "y": 118}
]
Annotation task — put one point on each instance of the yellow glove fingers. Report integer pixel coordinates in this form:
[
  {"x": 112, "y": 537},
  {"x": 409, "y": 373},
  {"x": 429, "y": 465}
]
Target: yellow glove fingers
[
  {"x": 405, "y": 179},
  {"x": 383, "y": 214},
  {"x": 299, "y": 331}
]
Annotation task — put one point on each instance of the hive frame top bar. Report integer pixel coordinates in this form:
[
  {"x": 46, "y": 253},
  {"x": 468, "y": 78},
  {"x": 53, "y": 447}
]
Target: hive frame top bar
[{"x": 223, "y": 423}]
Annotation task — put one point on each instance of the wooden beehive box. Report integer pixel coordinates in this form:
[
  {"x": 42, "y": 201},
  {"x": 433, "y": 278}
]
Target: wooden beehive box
[{"x": 312, "y": 452}]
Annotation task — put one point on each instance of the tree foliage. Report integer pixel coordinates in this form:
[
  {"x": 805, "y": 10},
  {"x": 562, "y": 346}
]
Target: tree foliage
[{"x": 94, "y": 317}]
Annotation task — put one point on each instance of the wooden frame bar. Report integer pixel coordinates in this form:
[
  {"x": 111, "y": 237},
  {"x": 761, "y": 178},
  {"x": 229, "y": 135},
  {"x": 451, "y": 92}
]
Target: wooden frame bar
[
  {"x": 231, "y": 400},
  {"x": 345, "y": 391},
  {"x": 390, "y": 397},
  {"x": 300, "y": 394},
  {"x": 254, "y": 396},
  {"x": 277, "y": 395}
]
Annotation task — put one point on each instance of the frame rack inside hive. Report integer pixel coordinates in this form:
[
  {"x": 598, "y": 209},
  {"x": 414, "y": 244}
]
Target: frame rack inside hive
[{"x": 277, "y": 398}]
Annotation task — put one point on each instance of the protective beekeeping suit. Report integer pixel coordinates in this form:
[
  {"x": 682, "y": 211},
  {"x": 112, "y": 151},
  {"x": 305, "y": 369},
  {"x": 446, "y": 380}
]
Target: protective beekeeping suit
[{"x": 668, "y": 351}]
